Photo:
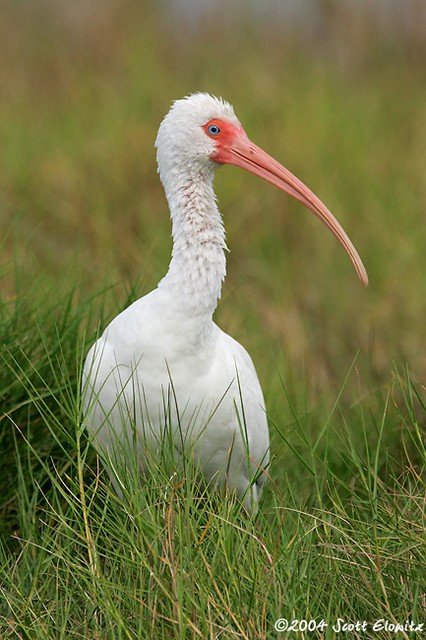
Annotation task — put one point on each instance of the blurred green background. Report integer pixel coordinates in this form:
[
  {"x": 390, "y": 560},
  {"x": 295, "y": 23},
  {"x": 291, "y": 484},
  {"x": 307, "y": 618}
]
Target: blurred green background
[{"x": 335, "y": 90}]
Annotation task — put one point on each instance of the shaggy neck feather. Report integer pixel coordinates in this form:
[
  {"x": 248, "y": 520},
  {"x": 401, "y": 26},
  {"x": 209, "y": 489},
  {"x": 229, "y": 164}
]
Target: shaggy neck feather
[{"x": 198, "y": 264}]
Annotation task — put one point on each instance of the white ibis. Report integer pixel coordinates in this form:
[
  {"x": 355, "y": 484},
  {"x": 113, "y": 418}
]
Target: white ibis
[{"x": 163, "y": 371}]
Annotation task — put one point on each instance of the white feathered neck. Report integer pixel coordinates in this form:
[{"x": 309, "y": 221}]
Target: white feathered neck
[{"x": 198, "y": 265}]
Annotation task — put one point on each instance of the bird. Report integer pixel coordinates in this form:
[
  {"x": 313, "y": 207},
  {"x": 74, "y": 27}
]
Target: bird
[{"x": 163, "y": 373}]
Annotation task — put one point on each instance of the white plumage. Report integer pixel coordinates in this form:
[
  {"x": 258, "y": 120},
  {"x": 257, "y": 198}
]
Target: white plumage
[{"x": 163, "y": 366}]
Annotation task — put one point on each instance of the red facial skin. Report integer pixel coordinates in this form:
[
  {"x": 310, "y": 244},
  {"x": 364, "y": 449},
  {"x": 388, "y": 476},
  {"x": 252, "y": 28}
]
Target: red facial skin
[{"x": 225, "y": 138}]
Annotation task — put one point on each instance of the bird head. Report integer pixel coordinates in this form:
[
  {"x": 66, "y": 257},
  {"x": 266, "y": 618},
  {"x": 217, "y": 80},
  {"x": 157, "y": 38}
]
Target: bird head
[
  {"x": 186, "y": 137},
  {"x": 202, "y": 132}
]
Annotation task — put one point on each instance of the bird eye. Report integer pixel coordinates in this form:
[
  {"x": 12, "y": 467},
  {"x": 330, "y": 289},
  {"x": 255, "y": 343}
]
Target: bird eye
[{"x": 214, "y": 129}]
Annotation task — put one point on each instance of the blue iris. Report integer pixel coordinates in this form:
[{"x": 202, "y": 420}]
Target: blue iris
[{"x": 214, "y": 129}]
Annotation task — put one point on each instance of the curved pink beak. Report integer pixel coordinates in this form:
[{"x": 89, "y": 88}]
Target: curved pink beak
[{"x": 240, "y": 151}]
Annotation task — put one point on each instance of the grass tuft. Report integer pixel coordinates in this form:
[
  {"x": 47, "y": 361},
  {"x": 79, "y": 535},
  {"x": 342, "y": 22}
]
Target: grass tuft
[{"x": 340, "y": 532}]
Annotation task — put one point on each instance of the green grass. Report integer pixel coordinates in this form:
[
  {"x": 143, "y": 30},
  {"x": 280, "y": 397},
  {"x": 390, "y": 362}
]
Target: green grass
[
  {"x": 340, "y": 533},
  {"x": 341, "y": 529}
]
